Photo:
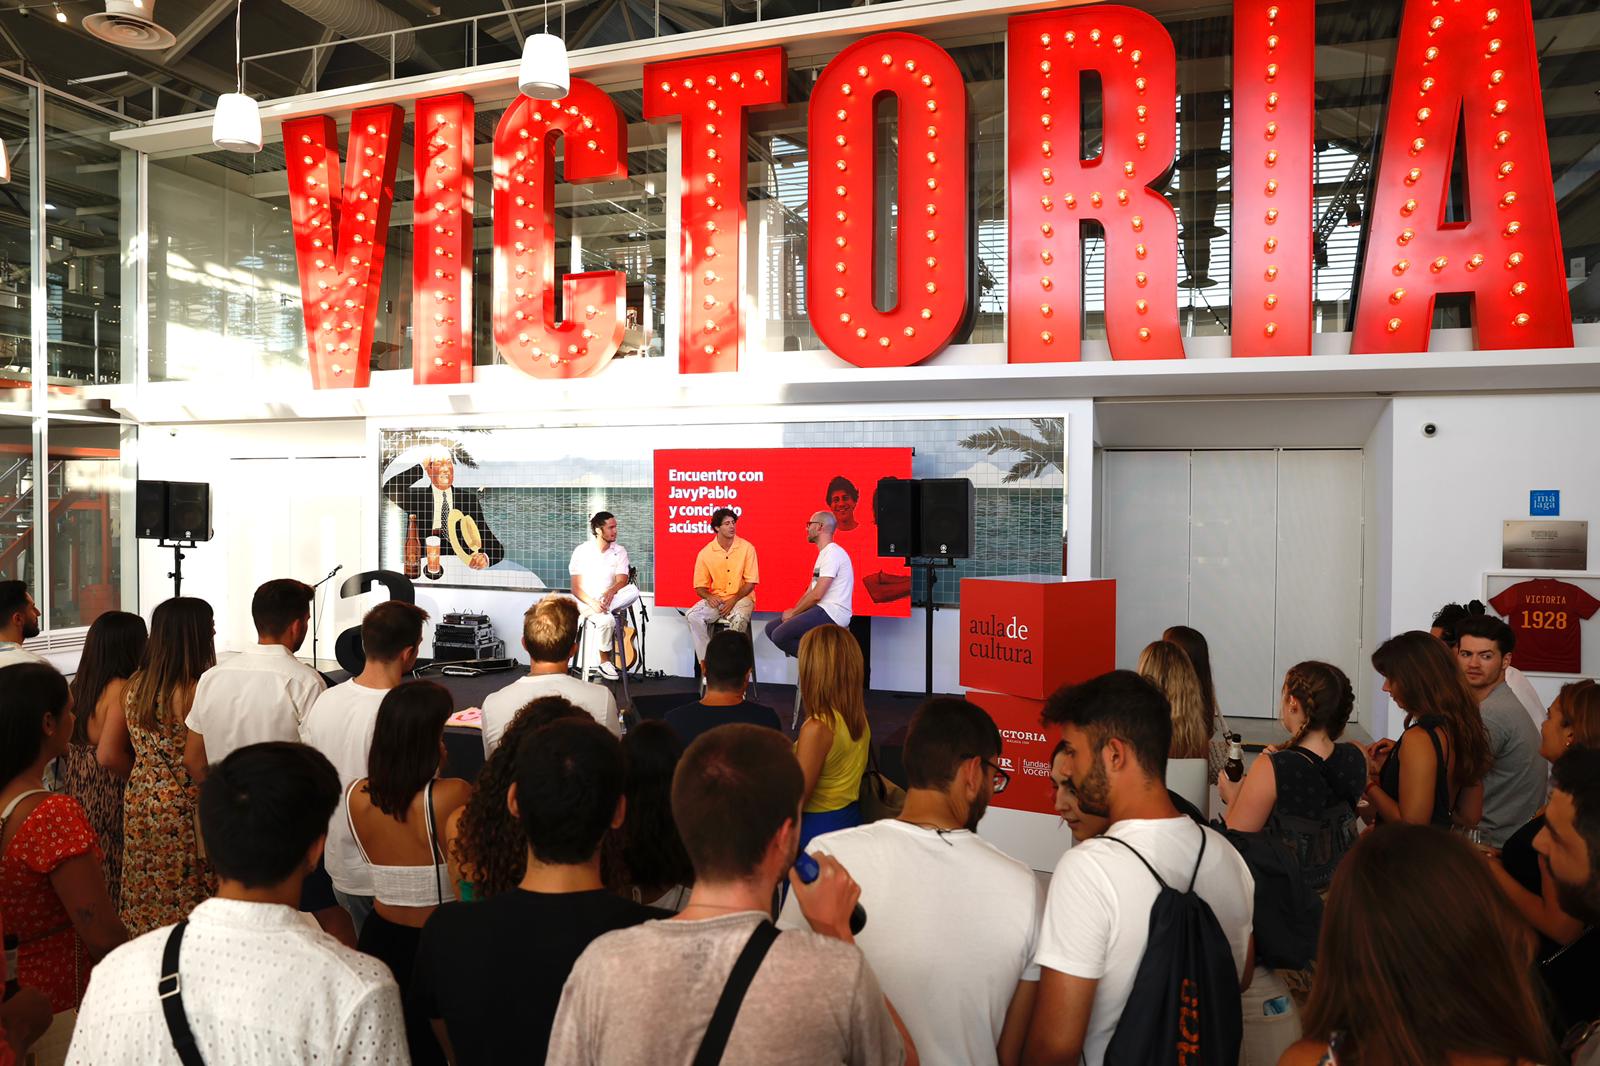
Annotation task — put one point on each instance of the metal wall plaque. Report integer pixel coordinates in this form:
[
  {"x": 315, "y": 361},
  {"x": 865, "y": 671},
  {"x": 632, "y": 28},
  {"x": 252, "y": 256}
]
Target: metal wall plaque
[{"x": 1545, "y": 545}]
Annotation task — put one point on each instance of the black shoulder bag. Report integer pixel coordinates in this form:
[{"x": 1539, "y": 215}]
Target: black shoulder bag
[
  {"x": 171, "y": 992},
  {"x": 744, "y": 970}
]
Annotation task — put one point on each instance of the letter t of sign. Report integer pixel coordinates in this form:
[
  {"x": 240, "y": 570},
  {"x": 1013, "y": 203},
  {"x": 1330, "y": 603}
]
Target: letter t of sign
[{"x": 711, "y": 96}]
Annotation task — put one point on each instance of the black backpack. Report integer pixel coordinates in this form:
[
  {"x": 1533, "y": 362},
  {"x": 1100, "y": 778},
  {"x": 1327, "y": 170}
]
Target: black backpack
[{"x": 1184, "y": 1006}]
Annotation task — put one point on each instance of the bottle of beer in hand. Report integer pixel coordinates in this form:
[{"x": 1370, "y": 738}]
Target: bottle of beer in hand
[
  {"x": 1234, "y": 767},
  {"x": 12, "y": 987}
]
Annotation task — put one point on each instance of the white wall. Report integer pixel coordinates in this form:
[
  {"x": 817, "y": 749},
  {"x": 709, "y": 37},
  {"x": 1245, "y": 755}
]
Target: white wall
[{"x": 1450, "y": 493}]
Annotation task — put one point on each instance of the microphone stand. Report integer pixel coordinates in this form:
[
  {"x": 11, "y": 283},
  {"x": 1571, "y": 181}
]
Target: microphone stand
[{"x": 314, "y": 616}]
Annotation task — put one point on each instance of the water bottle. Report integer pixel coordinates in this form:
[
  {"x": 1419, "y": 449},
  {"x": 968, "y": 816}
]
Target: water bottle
[{"x": 807, "y": 868}]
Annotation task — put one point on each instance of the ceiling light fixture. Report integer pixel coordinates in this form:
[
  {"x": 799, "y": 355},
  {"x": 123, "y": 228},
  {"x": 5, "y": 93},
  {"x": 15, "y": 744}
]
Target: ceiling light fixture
[
  {"x": 61, "y": 16},
  {"x": 236, "y": 124},
  {"x": 544, "y": 73}
]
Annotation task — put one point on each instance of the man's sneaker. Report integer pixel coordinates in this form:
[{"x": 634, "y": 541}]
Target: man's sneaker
[{"x": 609, "y": 672}]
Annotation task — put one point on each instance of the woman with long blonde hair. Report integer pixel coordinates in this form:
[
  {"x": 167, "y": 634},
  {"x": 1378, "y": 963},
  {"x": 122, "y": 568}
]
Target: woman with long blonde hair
[
  {"x": 1165, "y": 664},
  {"x": 834, "y": 738},
  {"x": 164, "y": 874}
]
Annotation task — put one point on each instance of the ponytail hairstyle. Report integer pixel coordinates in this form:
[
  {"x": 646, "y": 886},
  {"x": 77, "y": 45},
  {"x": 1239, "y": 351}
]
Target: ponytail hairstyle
[
  {"x": 1426, "y": 682},
  {"x": 1453, "y": 614},
  {"x": 1325, "y": 696}
]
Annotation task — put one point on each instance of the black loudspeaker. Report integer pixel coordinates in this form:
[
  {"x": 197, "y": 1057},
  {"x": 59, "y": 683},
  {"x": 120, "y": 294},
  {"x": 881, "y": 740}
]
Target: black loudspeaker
[
  {"x": 948, "y": 509},
  {"x": 188, "y": 510},
  {"x": 894, "y": 508},
  {"x": 150, "y": 510}
]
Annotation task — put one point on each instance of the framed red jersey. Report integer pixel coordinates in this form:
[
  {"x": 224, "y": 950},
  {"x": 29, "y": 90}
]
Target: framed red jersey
[{"x": 1546, "y": 615}]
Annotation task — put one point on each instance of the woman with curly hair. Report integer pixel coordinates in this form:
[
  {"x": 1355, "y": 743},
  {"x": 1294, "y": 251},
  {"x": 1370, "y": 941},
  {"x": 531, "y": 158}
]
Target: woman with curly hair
[
  {"x": 484, "y": 843},
  {"x": 1434, "y": 774},
  {"x": 644, "y": 858}
]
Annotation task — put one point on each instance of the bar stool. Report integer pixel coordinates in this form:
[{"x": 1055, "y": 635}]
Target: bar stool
[
  {"x": 619, "y": 618},
  {"x": 718, "y": 626}
]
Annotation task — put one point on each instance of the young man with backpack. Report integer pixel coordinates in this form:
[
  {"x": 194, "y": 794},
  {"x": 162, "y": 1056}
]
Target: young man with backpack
[{"x": 1146, "y": 939}]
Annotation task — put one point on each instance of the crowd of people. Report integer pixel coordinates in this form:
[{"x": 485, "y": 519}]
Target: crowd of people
[{"x": 236, "y": 862}]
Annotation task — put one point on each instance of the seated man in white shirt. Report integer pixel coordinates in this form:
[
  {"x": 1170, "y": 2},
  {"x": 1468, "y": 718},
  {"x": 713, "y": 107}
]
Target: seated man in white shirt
[
  {"x": 255, "y": 981},
  {"x": 550, "y": 635},
  {"x": 953, "y": 920},
  {"x": 828, "y": 599},
  {"x": 599, "y": 571},
  {"x": 1117, "y": 730},
  {"x": 19, "y": 621},
  {"x": 340, "y": 726},
  {"x": 264, "y": 692}
]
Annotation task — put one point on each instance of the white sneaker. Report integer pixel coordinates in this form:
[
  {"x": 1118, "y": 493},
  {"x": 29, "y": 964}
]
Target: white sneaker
[{"x": 608, "y": 672}]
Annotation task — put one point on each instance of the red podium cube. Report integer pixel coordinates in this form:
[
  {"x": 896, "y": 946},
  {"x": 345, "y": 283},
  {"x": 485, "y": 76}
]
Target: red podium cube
[
  {"x": 1025, "y": 750},
  {"x": 1030, "y": 634}
]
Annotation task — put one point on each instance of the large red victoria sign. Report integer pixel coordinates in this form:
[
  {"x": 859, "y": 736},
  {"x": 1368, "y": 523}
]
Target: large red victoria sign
[{"x": 1464, "y": 70}]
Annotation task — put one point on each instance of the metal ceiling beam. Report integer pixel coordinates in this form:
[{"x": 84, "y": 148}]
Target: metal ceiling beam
[
  {"x": 198, "y": 29},
  {"x": 516, "y": 22},
  {"x": 319, "y": 61}
]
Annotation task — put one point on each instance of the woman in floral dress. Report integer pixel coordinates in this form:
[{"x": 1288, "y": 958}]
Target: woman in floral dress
[
  {"x": 164, "y": 874},
  {"x": 96, "y": 764}
]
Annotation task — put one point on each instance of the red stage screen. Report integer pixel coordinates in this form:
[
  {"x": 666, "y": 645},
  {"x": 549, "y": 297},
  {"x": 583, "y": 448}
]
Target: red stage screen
[{"x": 774, "y": 491}]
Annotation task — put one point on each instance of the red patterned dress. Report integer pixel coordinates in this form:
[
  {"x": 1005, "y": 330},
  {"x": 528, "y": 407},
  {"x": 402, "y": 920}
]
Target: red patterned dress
[
  {"x": 49, "y": 957},
  {"x": 163, "y": 875}
]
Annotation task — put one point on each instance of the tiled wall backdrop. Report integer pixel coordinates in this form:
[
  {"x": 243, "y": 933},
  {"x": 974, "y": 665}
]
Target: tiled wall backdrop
[{"x": 539, "y": 507}]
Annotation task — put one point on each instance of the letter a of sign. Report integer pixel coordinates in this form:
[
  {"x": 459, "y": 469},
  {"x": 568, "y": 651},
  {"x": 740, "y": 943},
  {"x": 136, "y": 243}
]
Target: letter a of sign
[
  {"x": 341, "y": 229},
  {"x": 595, "y": 148},
  {"x": 1468, "y": 67},
  {"x": 1053, "y": 189},
  {"x": 711, "y": 95},
  {"x": 931, "y": 264}
]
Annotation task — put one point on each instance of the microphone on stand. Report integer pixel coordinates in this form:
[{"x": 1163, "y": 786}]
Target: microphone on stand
[{"x": 315, "y": 614}]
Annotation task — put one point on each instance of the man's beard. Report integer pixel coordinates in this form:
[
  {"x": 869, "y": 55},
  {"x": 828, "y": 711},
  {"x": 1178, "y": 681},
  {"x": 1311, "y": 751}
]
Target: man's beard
[
  {"x": 975, "y": 813},
  {"x": 1580, "y": 901},
  {"x": 30, "y": 630},
  {"x": 1094, "y": 792}
]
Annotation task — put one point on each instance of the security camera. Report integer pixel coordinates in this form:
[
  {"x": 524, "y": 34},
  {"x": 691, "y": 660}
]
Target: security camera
[{"x": 1429, "y": 430}]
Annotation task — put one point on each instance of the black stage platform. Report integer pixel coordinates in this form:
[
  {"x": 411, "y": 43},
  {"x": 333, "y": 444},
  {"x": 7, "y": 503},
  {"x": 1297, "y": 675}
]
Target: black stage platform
[{"x": 888, "y": 713}]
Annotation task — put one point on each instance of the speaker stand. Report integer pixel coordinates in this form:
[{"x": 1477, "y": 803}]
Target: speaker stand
[
  {"x": 931, "y": 567},
  {"x": 176, "y": 573}
]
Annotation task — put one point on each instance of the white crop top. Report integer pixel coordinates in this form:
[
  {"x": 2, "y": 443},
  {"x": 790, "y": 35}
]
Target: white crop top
[{"x": 406, "y": 886}]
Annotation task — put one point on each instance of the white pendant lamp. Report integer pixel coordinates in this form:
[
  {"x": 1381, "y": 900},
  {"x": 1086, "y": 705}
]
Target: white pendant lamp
[
  {"x": 5, "y": 164},
  {"x": 544, "y": 74},
  {"x": 236, "y": 124}
]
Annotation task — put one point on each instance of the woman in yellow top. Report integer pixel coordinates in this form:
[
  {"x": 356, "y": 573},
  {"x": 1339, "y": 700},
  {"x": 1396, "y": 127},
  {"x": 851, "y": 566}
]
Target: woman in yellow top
[{"x": 833, "y": 742}]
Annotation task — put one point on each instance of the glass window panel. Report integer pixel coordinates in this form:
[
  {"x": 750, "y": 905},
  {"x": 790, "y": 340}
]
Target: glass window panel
[
  {"x": 88, "y": 185},
  {"x": 16, "y": 238},
  {"x": 84, "y": 494},
  {"x": 18, "y": 557}
]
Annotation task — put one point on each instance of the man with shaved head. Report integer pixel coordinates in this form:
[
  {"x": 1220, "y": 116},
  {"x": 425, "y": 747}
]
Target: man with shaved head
[{"x": 827, "y": 600}]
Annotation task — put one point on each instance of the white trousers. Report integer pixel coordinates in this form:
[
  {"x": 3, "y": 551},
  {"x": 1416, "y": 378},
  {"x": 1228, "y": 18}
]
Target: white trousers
[
  {"x": 601, "y": 622},
  {"x": 702, "y": 614},
  {"x": 1271, "y": 1019}
]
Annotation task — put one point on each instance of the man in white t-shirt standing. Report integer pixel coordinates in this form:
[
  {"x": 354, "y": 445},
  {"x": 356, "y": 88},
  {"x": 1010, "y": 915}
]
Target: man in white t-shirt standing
[
  {"x": 953, "y": 921},
  {"x": 827, "y": 600},
  {"x": 550, "y": 635},
  {"x": 263, "y": 693},
  {"x": 1117, "y": 729},
  {"x": 599, "y": 571},
  {"x": 19, "y": 621},
  {"x": 340, "y": 726}
]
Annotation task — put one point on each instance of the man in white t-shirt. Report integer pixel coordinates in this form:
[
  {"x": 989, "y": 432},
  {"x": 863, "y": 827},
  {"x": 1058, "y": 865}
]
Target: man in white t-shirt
[
  {"x": 263, "y": 693},
  {"x": 340, "y": 726},
  {"x": 1117, "y": 730},
  {"x": 19, "y": 621},
  {"x": 550, "y": 635},
  {"x": 953, "y": 922},
  {"x": 599, "y": 571},
  {"x": 827, "y": 599}
]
